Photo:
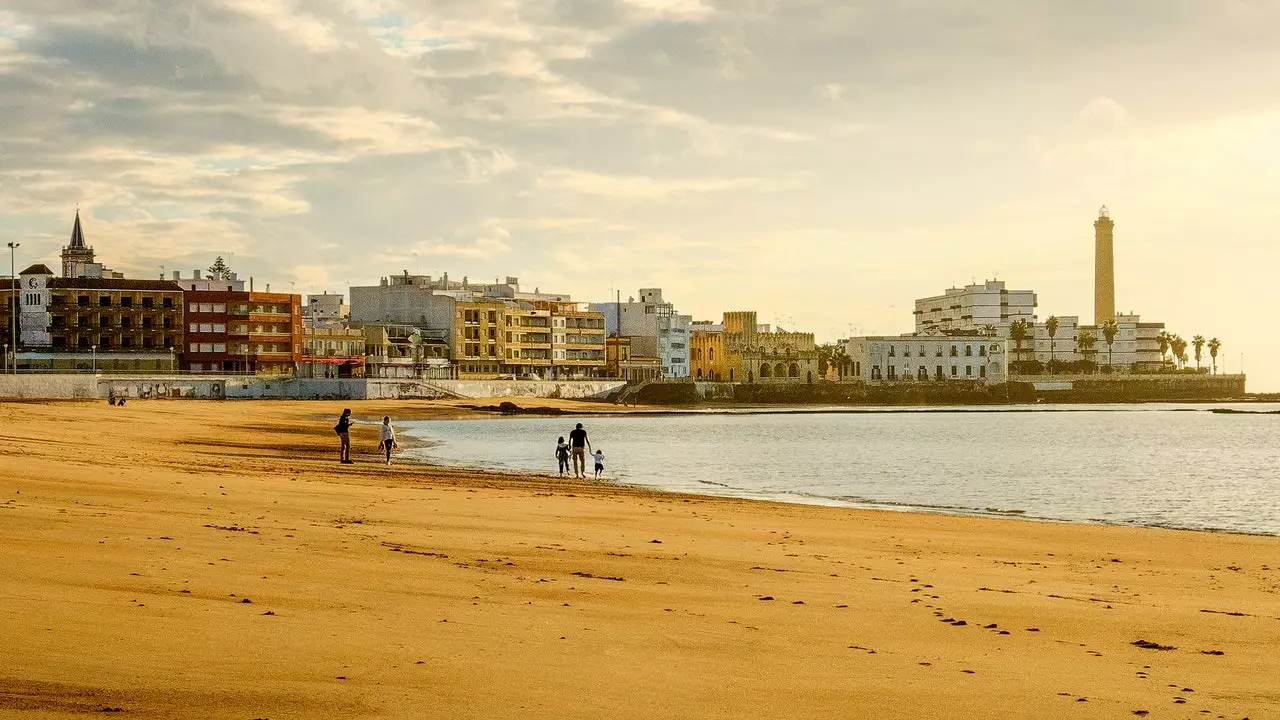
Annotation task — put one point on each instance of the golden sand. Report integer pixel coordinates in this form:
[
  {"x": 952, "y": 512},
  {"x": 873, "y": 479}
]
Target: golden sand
[{"x": 212, "y": 560}]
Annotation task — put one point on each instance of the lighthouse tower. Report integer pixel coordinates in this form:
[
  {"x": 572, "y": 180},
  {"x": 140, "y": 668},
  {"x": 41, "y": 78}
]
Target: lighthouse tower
[{"x": 1104, "y": 269}]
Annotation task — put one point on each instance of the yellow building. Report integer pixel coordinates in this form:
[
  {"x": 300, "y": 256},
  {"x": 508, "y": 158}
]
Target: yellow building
[
  {"x": 758, "y": 353},
  {"x": 479, "y": 342},
  {"x": 707, "y": 359}
]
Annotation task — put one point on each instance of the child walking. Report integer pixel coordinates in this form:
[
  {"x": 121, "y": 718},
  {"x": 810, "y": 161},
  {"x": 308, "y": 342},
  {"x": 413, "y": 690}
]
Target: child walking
[
  {"x": 562, "y": 454},
  {"x": 599, "y": 456},
  {"x": 388, "y": 438}
]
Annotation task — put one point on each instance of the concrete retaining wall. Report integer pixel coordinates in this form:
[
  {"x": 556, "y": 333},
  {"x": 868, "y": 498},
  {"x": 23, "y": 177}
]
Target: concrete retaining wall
[
  {"x": 233, "y": 387},
  {"x": 567, "y": 390}
]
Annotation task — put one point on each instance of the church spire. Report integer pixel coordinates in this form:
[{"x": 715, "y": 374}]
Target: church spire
[{"x": 77, "y": 237}]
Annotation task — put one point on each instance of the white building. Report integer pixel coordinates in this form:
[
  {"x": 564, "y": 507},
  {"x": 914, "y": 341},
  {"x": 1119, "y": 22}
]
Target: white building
[
  {"x": 325, "y": 309},
  {"x": 928, "y": 358},
  {"x": 1136, "y": 347},
  {"x": 973, "y": 307},
  {"x": 211, "y": 282},
  {"x": 655, "y": 319}
]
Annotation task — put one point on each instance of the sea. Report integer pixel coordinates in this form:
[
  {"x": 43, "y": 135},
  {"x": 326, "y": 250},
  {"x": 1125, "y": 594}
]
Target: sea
[{"x": 1196, "y": 467}]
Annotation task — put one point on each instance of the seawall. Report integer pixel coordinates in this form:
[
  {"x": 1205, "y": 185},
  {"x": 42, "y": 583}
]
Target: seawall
[
  {"x": 1070, "y": 389},
  {"x": 50, "y": 386}
]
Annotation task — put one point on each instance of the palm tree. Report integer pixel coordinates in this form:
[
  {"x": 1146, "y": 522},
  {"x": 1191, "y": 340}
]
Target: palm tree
[
  {"x": 1214, "y": 346},
  {"x": 1165, "y": 340},
  {"x": 1084, "y": 343},
  {"x": 1110, "y": 329},
  {"x": 989, "y": 330},
  {"x": 1179, "y": 347},
  {"x": 1197, "y": 342},
  {"x": 1020, "y": 330},
  {"x": 1051, "y": 325}
]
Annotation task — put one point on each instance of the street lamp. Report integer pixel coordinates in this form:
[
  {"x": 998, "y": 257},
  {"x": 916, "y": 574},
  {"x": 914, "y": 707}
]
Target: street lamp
[
  {"x": 171, "y": 360},
  {"x": 13, "y": 309},
  {"x": 94, "y": 366}
]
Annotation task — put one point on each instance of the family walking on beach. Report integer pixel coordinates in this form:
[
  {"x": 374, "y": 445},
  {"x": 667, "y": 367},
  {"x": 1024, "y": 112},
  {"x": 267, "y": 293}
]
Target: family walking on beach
[
  {"x": 386, "y": 433},
  {"x": 577, "y": 448}
]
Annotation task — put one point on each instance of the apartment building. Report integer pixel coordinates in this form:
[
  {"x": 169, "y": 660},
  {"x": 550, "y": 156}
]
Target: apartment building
[
  {"x": 624, "y": 361},
  {"x": 107, "y": 324},
  {"x": 652, "y": 317},
  {"x": 242, "y": 332},
  {"x": 332, "y": 352},
  {"x": 974, "y": 307}
]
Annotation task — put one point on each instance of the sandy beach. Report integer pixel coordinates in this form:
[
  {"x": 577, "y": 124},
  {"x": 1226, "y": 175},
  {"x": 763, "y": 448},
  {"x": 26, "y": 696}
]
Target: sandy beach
[{"x": 212, "y": 560}]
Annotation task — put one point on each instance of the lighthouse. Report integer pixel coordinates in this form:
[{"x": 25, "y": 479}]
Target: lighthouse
[{"x": 1104, "y": 269}]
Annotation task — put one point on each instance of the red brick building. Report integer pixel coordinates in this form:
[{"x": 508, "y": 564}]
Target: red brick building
[{"x": 253, "y": 332}]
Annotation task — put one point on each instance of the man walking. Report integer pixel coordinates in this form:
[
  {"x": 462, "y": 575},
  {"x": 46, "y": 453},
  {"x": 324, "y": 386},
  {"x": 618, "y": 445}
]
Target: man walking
[{"x": 578, "y": 443}]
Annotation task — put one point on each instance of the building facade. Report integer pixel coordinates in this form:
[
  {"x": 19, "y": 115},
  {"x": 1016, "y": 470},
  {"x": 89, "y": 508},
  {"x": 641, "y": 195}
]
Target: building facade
[
  {"x": 332, "y": 352},
  {"x": 625, "y": 363},
  {"x": 973, "y": 308},
  {"x": 242, "y": 332},
  {"x": 1136, "y": 347},
  {"x": 325, "y": 309},
  {"x": 758, "y": 353},
  {"x": 707, "y": 359},
  {"x": 404, "y": 351},
  {"x": 928, "y": 358},
  {"x": 93, "y": 323},
  {"x": 652, "y": 317}
]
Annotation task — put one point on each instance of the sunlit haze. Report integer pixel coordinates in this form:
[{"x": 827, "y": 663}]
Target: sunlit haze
[{"x": 823, "y": 163}]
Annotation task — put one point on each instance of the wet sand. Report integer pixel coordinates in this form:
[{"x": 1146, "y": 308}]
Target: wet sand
[{"x": 197, "y": 560}]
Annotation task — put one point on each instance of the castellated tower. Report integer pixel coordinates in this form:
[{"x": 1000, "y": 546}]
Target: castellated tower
[{"x": 1104, "y": 269}]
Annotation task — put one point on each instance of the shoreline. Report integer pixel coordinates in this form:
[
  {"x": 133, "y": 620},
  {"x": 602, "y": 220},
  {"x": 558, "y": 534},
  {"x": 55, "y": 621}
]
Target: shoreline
[{"x": 165, "y": 559}]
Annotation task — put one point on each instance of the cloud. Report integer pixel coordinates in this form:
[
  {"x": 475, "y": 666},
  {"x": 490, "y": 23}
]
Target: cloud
[{"x": 827, "y": 160}]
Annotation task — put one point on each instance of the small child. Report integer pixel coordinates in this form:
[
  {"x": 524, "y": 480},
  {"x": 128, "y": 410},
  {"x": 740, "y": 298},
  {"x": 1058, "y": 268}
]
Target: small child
[
  {"x": 388, "y": 438},
  {"x": 599, "y": 456},
  {"x": 562, "y": 454}
]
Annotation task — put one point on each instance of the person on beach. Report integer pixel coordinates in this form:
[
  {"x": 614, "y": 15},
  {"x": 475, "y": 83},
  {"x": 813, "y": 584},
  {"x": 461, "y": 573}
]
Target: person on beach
[
  {"x": 388, "y": 438},
  {"x": 343, "y": 428},
  {"x": 562, "y": 455},
  {"x": 578, "y": 446},
  {"x": 599, "y": 456}
]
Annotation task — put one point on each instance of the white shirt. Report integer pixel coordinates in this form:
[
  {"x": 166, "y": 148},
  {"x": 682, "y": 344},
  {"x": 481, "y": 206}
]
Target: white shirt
[
  {"x": 599, "y": 459},
  {"x": 388, "y": 433}
]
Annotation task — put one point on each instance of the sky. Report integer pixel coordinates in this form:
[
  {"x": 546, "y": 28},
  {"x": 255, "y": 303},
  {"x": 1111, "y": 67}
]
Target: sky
[{"x": 823, "y": 163}]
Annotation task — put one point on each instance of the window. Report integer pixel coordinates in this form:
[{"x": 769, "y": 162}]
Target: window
[
  {"x": 195, "y": 347},
  {"x": 104, "y": 301},
  {"x": 921, "y": 353},
  {"x": 126, "y": 342},
  {"x": 982, "y": 371},
  {"x": 195, "y": 327},
  {"x": 875, "y": 372},
  {"x": 168, "y": 323},
  {"x": 206, "y": 307},
  {"x": 193, "y": 307},
  {"x": 982, "y": 351},
  {"x": 892, "y": 353},
  {"x": 167, "y": 304},
  {"x": 219, "y": 347},
  {"x": 219, "y": 307},
  {"x": 955, "y": 371},
  {"x": 893, "y": 372},
  {"x": 206, "y": 327},
  {"x": 126, "y": 322},
  {"x": 126, "y": 302},
  {"x": 147, "y": 322},
  {"x": 219, "y": 328},
  {"x": 955, "y": 351},
  {"x": 968, "y": 351},
  {"x": 148, "y": 302},
  {"x": 968, "y": 371},
  {"x": 82, "y": 301},
  {"x": 937, "y": 374}
]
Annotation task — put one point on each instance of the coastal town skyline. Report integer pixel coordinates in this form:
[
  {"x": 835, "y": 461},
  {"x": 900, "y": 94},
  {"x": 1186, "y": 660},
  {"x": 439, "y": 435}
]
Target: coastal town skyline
[{"x": 735, "y": 156}]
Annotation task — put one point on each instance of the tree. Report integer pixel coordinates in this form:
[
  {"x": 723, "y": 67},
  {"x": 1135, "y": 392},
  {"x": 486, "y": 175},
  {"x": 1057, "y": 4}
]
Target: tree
[
  {"x": 220, "y": 268},
  {"x": 1051, "y": 325},
  {"x": 1020, "y": 330},
  {"x": 1197, "y": 342},
  {"x": 1084, "y": 343},
  {"x": 1165, "y": 340},
  {"x": 989, "y": 330},
  {"x": 1110, "y": 329},
  {"x": 1214, "y": 346},
  {"x": 1179, "y": 348}
]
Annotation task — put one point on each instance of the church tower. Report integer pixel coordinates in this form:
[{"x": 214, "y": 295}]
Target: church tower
[
  {"x": 76, "y": 255},
  {"x": 1104, "y": 270}
]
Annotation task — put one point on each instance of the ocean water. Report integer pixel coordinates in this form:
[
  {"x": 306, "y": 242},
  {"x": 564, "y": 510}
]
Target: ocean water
[{"x": 1150, "y": 465}]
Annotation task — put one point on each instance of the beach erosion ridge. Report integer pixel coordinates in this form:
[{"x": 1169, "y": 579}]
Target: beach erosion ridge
[{"x": 212, "y": 559}]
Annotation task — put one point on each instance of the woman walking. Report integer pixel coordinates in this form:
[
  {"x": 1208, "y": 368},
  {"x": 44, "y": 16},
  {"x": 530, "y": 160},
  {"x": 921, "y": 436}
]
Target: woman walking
[
  {"x": 388, "y": 438},
  {"x": 343, "y": 428}
]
